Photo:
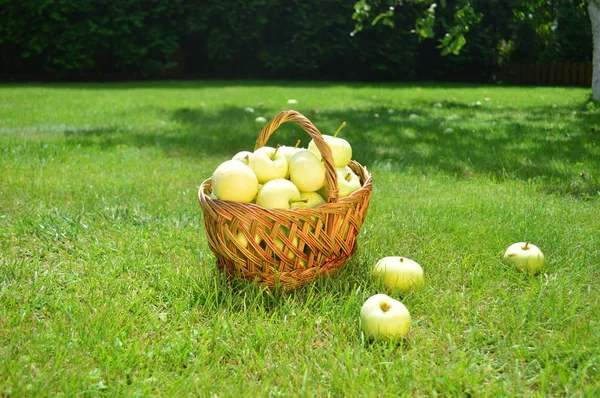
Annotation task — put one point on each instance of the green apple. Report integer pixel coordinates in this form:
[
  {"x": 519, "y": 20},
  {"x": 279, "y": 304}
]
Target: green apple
[
  {"x": 399, "y": 273},
  {"x": 384, "y": 318},
  {"x": 268, "y": 164},
  {"x": 341, "y": 151},
  {"x": 278, "y": 194},
  {"x": 280, "y": 244},
  {"x": 242, "y": 156},
  {"x": 525, "y": 257},
  {"x": 243, "y": 240},
  {"x": 234, "y": 181},
  {"x": 307, "y": 171},
  {"x": 348, "y": 181},
  {"x": 313, "y": 199},
  {"x": 288, "y": 152}
]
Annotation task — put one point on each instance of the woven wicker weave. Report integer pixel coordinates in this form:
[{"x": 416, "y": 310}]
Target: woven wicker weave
[{"x": 287, "y": 247}]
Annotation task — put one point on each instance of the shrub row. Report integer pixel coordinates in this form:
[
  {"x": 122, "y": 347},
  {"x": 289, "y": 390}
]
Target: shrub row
[{"x": 256, "y": 38}]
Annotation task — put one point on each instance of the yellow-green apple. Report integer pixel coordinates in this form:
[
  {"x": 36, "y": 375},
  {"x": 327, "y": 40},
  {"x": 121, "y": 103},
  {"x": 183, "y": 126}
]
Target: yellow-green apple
[
  {"x": 307, "y": 171},
  {"x": 280, "y": 244},
  {"x": 243, "y": 240},
  {"x": 313, "y": 199},
  {"x": 242, "y": 156},
  {"x": 278, "y": 194},
  {"x": 288, "y": 152},
  {"x": 348, "y": 181},
  {"x": 268, "y": 164},
  {"x": 341, "y": 151},
  {"x": 525, "y": 257},
  {"x": 399, "y": 273},
  {"x": 384, "y": 318},
  {"x": 233, "y": 180}
]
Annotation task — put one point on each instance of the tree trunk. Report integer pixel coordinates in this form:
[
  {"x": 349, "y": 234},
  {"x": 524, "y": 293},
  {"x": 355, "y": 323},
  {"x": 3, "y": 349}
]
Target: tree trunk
[{"x": 594, "y": 10}]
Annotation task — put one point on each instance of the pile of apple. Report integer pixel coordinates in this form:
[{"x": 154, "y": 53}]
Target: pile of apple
[
  {"x": 385, "y": 318},
  {"x": 284, "y": 177}
]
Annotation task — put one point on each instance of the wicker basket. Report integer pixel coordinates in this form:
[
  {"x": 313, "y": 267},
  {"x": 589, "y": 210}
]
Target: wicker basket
[{"x": 287, "y": 247}]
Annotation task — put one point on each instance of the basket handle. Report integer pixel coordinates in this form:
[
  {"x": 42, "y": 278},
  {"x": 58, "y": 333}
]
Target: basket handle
[{"x": 309, "y": 127}]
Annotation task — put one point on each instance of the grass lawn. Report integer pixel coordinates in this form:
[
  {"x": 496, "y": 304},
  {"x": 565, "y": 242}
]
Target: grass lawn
[{"x": 108, "y": 287}]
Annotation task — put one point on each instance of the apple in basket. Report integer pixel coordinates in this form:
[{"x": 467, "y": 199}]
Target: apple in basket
[
  {"x": 313, "y": 199},
  {"x": 243, "y": 240},
  {"x": 242, "y": 156},
  {"x": 233, "y": 180},
  {"x": 278, "y": 194},
  {"x": 348, "y": 181},
  {"x": 384, "y": 318},
  {"x": 268, "y": 164},
  {"x": 288, "y": 152},
  {"x": 341, "y": 150},
  {"x": 307, "y": 171}
]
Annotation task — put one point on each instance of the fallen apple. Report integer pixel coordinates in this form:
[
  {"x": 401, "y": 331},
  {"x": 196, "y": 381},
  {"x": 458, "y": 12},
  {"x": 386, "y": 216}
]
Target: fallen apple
[
  {"x": 384, "y": 318},
  {"x": 525, "y": 257},
  {"x": 233, "y": 180},
  {"x": 399, "y": 273}
]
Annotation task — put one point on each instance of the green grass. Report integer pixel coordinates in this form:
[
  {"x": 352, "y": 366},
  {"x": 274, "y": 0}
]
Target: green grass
[{"x": 108, "y": 287}]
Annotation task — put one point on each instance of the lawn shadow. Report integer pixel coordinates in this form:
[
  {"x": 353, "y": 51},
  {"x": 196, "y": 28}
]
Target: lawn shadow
[
  {"x": 479, "y": 141},
  {"x": 460, "y": 139},
  {"x": 197, "y": 133}
]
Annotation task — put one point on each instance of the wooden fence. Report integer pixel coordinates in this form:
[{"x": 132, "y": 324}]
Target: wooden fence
[{"x": 555, "y": 74}]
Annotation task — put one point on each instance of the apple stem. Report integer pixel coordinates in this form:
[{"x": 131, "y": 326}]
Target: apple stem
[
  {"x": 247, "y": 158},
  {"x": 297, "y": 201},
  {"x": 401, "y": 259},
  {"x": 385, "y": 307},
  {"x": 275, "y": 153},
  {"x": 526, "y": 247},
  {"x": 339, "y": 128},
  {"x": 348, "y": 176},
  {"x": 297, "y": 144}
]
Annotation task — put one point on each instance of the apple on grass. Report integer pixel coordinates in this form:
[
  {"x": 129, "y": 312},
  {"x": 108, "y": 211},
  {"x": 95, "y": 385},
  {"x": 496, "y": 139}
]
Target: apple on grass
[
  {"x": 307, "y": 171},
  {"x": 525, "y": 257},
  {"x": 341, "y": 151},
  {"x": 268, "y": 164},
  {"x": 233, "y": 180},
  {"x": 399, "y": 273},
  {"x": 384, "y": 318}
]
